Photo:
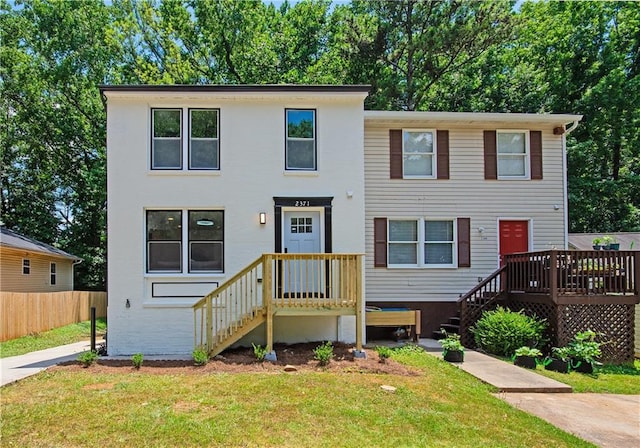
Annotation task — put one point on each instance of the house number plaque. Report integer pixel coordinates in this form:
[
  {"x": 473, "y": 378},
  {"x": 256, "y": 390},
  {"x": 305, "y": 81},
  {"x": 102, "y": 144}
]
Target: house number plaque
[{"x": 302, "y": 203}]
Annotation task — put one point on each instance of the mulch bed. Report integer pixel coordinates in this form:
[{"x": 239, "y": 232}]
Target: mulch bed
[{"x": 295, "y": 357}]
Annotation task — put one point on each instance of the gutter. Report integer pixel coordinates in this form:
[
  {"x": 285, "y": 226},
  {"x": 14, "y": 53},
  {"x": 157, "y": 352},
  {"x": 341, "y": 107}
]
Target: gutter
[{"x": 565, "y": 180}]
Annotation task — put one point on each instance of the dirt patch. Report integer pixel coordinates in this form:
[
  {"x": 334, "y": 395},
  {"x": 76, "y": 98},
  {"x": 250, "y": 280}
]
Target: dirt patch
[{"x": 242, "y": 360}]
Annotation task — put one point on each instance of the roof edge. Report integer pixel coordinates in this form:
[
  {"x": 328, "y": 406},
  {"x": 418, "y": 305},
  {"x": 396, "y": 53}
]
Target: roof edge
[
  {"x": 236, "y": 88},
  {"x": 378, "y": 115}
]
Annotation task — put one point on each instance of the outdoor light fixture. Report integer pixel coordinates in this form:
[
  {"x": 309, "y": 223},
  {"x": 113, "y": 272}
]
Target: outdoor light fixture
[
  {"x": 263, "y": 218},
  {"x": 481, "y": 229}
]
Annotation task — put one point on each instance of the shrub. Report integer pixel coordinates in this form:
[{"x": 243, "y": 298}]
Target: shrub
[
  {"x": 200, "y": 357},
  {"x": 323, "y": 353},
  {"x": 383, "y": 353},
  {"x": 87, "y": 358},
  {"x": 451, "y": 342},
  {"x": 502, "y": 331},
  {"x": 136, "y": 360},
  {"x": 584, "y": 347},
  {"x": 259, "y": 352}
]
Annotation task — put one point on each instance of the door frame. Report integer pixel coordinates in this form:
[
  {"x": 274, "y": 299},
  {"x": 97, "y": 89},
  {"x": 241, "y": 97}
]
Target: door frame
[
  {"x": 304, "y": 203},
  {"x": 529, "y": 222}
]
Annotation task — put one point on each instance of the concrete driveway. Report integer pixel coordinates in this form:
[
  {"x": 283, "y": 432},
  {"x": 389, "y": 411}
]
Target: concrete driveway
[{"x": 606, "y": 420}]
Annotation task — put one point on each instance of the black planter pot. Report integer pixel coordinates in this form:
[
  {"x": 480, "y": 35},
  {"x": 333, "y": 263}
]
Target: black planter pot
[
  {"x": 558, "y": 365},
  {"x": 528, "y": 362},
  {"x": 454, "y": 356},
  {"x": 582, "y": 366}
]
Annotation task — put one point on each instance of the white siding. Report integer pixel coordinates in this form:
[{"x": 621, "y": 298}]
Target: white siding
[
  {"x": 252, "y": 172},
  {"x": 465, "y": 194}
]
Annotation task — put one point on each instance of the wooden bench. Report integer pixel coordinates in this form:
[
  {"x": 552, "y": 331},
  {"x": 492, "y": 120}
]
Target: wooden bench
[{"x": 393, "y": 317}]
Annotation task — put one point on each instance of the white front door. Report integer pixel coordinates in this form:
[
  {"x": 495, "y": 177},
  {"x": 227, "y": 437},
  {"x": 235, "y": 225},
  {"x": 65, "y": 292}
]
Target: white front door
[
  {"x": 301, "y": 232},
  {"x": 302, "y": 278}
]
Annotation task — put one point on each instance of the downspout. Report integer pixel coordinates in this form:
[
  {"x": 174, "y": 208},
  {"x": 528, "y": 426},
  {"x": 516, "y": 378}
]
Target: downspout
[
  {"x": 565, "y": 181},
  {"x": 73, "y": 273}
]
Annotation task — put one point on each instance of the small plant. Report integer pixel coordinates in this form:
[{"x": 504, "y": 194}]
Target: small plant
[
  {"x": 136, "y": 360},
  {"x": 502, "y": 331},
  {"x": 384, "y": 353},
  {"x": 200, "y": 356},
  {"x": 451, "y": 342},
  {"x": 584, "y": 347},
  {"x": 562, "y": 353},
  {"x": 608, "y": 239},
  {"x": 528, "y": 351},
  {"x": 87, "y": 358},
  {"x": 597, "y": 241},
  {"x": 323, "y": 353},
  {"x": 259, "y": 352}
]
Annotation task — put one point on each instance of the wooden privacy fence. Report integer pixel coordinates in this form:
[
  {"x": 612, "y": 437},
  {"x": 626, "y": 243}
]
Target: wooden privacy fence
[{"x": 35, "y": 312}]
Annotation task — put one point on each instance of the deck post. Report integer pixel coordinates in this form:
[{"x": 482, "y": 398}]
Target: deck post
[
  {"x": 359, "y": 303},
  {"x": 636, "y": 273},
  {"x": 553, "y": 275},
  {"x": 267, "y": 291},
  {"x": 209, "y": 326}
]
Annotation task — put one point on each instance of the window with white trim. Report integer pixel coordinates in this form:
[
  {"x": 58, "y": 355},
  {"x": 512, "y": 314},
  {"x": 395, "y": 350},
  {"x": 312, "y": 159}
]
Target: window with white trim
[
  {"x": 203, "y": 231},
  {"x": 418, "y": 153},
  {"x": 53, "y": 275},
  {"x": 422, "y": 242},
  {"x": 202, "y": 147},
  {"x": 26, "y": 266},
  {"x": 300, "y": 150},
  {"x": 513, "y": 154}
]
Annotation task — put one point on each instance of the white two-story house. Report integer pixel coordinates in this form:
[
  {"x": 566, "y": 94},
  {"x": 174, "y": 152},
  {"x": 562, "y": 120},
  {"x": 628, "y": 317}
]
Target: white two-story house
[{"x": 407, "y": 209}]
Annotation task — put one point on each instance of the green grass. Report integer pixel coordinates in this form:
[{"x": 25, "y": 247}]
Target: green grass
[
  {"x": 442, "y": 406},
  {"x": 52, "y": 338},
  {"x": 606, "y": 379}
]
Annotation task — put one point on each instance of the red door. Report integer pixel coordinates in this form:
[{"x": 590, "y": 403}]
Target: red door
[{"x": 514, "y": 237}]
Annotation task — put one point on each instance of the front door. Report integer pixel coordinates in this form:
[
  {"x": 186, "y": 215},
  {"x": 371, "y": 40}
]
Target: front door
[
  {"x": 302, "y": 277},
  {"x": 514, "y": 237}
]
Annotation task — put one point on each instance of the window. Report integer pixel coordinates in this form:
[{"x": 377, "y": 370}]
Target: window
[
  {"x": 52, "y": 272},
  {"x": 418, "y": 153},
  {"x": 422, "y": 243},
  {"x": 26, "y": 266},
  {"x": 166, "y": 151},
  {"x": 512, "y": 152},
  {"x": 203, "y": 139},
  {"x": 300, "y": 151},
  {"x": 203, "y": 231},
  {"x": 205, "y": 241}
]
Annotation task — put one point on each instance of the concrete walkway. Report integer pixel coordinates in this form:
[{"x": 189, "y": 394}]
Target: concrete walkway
[
  {"x": 15, "y": 368},
  {"x": 606, "y": 420}
]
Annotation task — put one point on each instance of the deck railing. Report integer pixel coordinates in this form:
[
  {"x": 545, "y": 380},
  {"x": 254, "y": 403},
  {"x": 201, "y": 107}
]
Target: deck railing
[
  {"x": 302, "y": 284},
  {"x": 574, "y": 272}
]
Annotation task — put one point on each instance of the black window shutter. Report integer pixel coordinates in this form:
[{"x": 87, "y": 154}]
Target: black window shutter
[
  {"x": 490, "y": 155},
  {"x": 464, "y": 242},
  {"x": 395, "y": 153},
  {"x": 380, "y": 242},
  {"x": 535, "y": 154},
  {"x": 443, "y": 154}
]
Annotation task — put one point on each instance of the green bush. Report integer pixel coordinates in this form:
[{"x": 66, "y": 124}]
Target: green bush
[
  {"x": 200, "y": 357},
  {"x": 259, "y": 352},
  {"x": 87, "y": 358},
  {"x": 323, "y": 353},
  {"x": 383, "y": 352},
  {"x": 137, "y": 359},
  {"x": 502, "y": 331}
]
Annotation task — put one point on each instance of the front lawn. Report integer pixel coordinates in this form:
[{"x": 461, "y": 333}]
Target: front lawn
[
  {"x": 52, "y": 338},
  {"x": 441, "y": 406},
  {"x": 606, "y": 379}
]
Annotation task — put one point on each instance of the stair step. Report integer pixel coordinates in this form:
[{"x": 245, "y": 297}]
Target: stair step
[
  {"x": 437, "y": 335},
  {"x": 451, "y": 328},
  {"x": 455, "y": 320}
]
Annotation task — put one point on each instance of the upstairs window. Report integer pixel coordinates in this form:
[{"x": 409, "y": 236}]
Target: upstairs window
[
  {"x": 203, "y": 139},
  {"x": 300, "y": 151},
  {"x": 26, "y": 266},
  {"x": 513, "y": 154},
  {"x": 418, "y": 154},
  {"x": 166, "y": 151}
]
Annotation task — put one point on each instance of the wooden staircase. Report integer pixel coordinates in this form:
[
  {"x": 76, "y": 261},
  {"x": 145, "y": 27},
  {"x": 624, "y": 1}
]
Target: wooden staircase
[{"x": 286, "y": 284}]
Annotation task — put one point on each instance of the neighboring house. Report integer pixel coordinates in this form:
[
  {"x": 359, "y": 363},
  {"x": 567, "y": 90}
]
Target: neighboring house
[
  {"x": 27, "y": 265},
  {"x": 202, "y": 180}
]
